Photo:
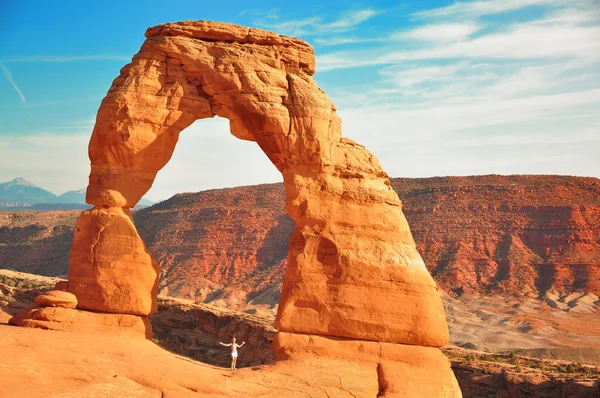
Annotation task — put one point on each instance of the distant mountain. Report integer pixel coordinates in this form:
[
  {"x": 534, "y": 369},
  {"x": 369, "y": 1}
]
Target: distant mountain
[
  {"x": 79, "y": 198},
  {"x": 145, "y": 202},
  {"x": 20, "y": 194},
  {"x": 73, "y": 196}
]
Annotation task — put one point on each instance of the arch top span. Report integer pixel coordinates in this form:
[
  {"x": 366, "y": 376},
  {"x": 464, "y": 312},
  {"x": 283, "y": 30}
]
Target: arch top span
[{"x": 295, "y": 52}]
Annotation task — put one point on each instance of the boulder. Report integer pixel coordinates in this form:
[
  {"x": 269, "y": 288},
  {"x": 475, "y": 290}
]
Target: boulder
[
  {"x": 56, "y": 298},
  {"x": 110, "y": 269}
]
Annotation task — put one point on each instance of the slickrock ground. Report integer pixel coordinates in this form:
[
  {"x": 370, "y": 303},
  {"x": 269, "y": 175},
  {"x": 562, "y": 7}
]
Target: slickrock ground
[
  {"x": 474, "y": 233},
  {"x": 75, "y": 365},
  {"x": 44, "y": 363}
]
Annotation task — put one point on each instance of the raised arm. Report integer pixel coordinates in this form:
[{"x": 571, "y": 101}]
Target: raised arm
[
  {"x": 226, "y": 345},
  {"x": 240, "y": 345}
]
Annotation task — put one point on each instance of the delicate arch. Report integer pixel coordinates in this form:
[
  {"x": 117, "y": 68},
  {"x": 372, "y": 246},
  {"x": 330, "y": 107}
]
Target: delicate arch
[{"x": 353, "y": 270}]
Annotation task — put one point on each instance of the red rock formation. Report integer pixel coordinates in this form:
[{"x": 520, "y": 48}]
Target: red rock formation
[
  {"x": 73, "y": 320},
  {"x": 402, "y": 370},
  {"x": 37, "y": 242},
  {"x": 350, "y": 235},
  {"x": 353, "y": 270},
  {"x": 219, "y": 241}
]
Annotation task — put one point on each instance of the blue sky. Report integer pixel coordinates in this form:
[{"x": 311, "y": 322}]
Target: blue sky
[{"x": 431, "y": 87}]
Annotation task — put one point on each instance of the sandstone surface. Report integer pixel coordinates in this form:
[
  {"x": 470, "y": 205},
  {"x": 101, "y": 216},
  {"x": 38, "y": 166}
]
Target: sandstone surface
[
  {"x": 56, "y": 298},
  {"x": 401, "y": 370},
  {"x": 41, "y": 363},
  {"x": 72, "y": 320},
  {"x": 81, "y": 364}
]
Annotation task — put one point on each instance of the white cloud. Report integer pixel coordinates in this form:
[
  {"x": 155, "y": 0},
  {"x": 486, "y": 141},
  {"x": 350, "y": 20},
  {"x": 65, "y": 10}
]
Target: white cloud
[
  {"x": 443, "y": 33},
  {"x": 336, "y": 41},
  {"x": 481, "y": 8},
  {"x": 12, "y": 81},
  {"x": 504, "y": 136},
  {"x": 411, "y": 75},
  {"x": 525, "y": 41},
  {"x": 317, "y": 25},
  {"x": 435, "y": 119}
]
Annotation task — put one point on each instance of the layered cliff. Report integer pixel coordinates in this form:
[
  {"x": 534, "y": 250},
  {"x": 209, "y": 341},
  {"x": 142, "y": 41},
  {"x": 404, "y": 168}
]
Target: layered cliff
[
  {"x": 516, "y": 235},
  {"x": 219, "y": 243}
]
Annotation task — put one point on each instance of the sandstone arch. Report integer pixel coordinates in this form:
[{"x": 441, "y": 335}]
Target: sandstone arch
[{"x": 353, "y": 269}]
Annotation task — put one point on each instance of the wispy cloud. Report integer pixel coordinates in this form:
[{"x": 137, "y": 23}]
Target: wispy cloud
[
  {"x": 12, "y": 81},
  {"x": 66, "y": 58},
  {"x": 519, "y": 41},
  {"x": 481, "y": 8},
  {"x": 336, "y": 41},
  {"x": 446, "y": 32},
  {"x": 317, "y": 25}
]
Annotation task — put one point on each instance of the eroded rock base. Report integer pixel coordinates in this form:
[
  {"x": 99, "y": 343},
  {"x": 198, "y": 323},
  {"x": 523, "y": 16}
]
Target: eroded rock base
[{"x": 385, "y": 369}]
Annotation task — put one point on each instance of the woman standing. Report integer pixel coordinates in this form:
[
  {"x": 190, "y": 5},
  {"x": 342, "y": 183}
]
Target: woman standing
[{"x": 234, "y": 353}]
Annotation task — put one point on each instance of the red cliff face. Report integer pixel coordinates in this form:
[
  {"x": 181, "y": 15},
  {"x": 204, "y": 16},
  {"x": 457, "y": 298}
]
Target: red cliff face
[
  {"x": 512, "y": 235},
  {"x": 230, "y": 240}
]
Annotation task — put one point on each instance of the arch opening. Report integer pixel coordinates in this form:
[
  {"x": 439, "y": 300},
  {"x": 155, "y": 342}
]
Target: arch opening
[
  {"x": 206, "y": 157},
  {"x": 201, "y": 240}
]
